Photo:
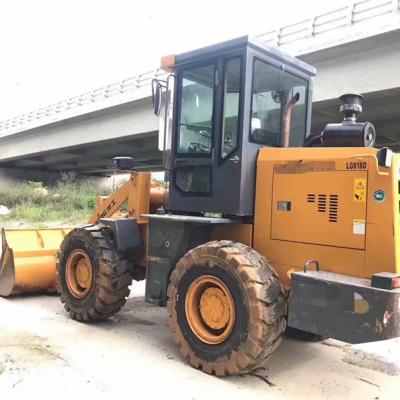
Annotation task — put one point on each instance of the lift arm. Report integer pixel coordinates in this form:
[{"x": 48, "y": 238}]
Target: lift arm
[
  {"x": 135, "y": 191},
  {"x": 28, "y": 257}
]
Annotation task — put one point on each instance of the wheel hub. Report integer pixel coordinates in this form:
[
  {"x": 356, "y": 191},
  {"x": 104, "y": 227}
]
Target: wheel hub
[
  {"x": 214, "y": 308},
  {"x": 210, "y": 309},
  {"x": 82, "y": 273},
  {"x": 79, "y": 273}
]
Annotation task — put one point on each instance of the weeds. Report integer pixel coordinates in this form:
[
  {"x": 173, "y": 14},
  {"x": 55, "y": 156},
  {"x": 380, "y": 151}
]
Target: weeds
[{"x": 70, "y": 201}]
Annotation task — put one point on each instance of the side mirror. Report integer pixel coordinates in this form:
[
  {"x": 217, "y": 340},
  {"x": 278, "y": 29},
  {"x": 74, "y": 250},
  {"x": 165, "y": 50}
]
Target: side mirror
[
  {"x": 156, "y": 95},
  {"x": 124, "y": 163}
]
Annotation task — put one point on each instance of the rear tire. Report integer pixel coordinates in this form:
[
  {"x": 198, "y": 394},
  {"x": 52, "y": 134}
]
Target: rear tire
[
  {"x": 97, "y": 297},
  {"x": 258, "y": 318}
]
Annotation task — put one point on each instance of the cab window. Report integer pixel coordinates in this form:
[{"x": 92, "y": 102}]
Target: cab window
[
  {"x": 230, "y": 120},
  {"x": 271, "y": 91},
  {"x": 195, "y": 128}
]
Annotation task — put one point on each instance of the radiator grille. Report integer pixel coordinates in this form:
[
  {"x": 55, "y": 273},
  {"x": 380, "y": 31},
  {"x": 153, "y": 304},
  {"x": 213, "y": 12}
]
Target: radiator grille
[
  {"x": 333, "y": 207},
  {"x": 322, "y": 203},
  {"x": 311, "y": 198}
]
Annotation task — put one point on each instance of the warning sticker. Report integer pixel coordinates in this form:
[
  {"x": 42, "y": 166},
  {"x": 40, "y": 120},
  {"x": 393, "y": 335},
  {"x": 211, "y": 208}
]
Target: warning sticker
[
  {"x": 359, "y": 226},
  {"x": 360, "y": 189}
]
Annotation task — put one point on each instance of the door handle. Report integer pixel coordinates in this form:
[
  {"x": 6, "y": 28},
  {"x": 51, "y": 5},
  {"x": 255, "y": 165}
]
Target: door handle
[{"x": 235, "y": 159}]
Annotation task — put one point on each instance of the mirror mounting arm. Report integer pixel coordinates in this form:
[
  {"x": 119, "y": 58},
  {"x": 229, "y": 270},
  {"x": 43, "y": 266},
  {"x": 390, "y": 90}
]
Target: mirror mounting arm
[{"x": 157, "y": 86}]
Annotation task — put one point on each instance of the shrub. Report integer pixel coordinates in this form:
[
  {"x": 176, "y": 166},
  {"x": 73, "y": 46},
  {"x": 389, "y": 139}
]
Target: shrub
[{"x": 69, "y": 201}]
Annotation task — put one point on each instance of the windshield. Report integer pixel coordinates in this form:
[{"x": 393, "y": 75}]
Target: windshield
[{"x": 272, "y": 89}]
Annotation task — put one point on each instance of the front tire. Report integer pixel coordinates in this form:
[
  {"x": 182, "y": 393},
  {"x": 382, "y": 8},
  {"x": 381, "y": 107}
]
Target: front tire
[
  {"x": 93, "y": 277},
  {"x": 227, "y": 308}
]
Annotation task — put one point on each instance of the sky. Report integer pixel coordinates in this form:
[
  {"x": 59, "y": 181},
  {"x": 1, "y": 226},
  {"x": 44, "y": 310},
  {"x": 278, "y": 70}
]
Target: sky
[{"x": 54, "y": 49}]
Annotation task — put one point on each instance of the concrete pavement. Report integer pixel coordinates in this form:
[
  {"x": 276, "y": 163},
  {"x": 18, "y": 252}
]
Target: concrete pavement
[{"x": 44, "y": 352}]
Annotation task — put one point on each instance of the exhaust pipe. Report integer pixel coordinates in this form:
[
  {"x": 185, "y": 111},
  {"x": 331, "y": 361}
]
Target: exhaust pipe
[{"x": 287, "y": 118}]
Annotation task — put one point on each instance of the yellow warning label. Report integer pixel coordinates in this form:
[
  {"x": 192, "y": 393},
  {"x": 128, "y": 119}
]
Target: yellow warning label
[{"x": 360, "y": 189}]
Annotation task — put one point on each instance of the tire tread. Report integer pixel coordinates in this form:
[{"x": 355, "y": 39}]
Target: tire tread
[
  {"x": 111, "y": 282},
  {"x": 267, "y": 306}
]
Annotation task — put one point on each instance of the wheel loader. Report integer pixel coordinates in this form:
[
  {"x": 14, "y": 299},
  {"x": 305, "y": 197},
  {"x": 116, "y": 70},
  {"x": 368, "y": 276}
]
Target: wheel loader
[{"x": 261, "y": 224}]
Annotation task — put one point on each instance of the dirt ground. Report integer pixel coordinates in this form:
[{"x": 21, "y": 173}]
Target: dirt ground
[{"x": 43, "y": 352}]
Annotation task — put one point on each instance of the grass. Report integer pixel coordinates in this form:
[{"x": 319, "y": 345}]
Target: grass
[{"x": 70, "y": 201}]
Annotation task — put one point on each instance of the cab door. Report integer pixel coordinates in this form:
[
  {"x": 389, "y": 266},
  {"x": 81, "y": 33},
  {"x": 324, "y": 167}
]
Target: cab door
[
  {"x": 206, "y": 141},
  {"x": 195, "y": 130}
]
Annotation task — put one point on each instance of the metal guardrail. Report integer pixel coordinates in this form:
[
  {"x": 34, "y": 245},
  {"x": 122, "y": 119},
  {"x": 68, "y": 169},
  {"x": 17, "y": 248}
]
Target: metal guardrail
[
  {"x": 337, "y": 19},
  {"x": 116, "y": 89},
  {"x": 341, "y": 17}
]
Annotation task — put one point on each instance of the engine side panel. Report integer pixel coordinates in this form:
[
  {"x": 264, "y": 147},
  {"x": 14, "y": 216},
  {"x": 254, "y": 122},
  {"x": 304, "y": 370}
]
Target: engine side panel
[
  {"x": 318, "y": 211},
  {"x": 323, "y": 203}
]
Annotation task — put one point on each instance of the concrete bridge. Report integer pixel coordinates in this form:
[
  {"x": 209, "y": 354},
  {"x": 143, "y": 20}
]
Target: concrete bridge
[{"x": 355, "y": 49}]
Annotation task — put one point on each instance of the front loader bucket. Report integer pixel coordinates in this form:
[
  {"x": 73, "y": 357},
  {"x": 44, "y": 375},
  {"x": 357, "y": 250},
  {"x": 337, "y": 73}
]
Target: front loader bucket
[{"x": 28, "y": 260}]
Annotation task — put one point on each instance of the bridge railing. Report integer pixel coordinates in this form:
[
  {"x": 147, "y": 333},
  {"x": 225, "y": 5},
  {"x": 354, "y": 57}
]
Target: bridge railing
[
  {"x": 116, "y": 89},
  {"x": 339, "y": 18}
]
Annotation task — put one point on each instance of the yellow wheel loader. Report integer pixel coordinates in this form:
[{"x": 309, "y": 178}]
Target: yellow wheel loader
[{"x": 262, "y": 226}]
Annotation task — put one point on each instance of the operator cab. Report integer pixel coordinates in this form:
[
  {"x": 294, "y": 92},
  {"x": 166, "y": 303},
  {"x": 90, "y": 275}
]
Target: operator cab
[{"x": 225, "y": 103}]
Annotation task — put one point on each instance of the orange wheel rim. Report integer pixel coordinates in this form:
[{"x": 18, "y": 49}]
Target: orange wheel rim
[
  {"x": 210, "y": 309},
  {"x": 79, "y": 273}
]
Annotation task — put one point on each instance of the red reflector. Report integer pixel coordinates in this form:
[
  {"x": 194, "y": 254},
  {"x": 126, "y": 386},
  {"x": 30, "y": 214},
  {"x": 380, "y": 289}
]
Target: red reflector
[
  {"x": 385, "y": 280},
  {"x": 395, "y": 283}
]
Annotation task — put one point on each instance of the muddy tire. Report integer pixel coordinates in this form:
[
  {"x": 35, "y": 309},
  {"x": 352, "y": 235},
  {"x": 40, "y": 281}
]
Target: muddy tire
[
  {"x": 259, "y": 308},
  {"x": 93, "y": 277}
]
